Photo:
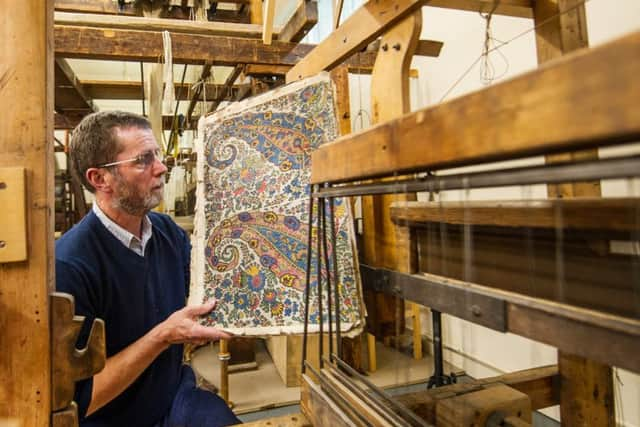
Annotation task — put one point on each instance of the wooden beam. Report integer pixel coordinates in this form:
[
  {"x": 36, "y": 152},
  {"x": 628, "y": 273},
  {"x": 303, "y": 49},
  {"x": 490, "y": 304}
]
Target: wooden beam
[
  {"x": 26, "y": 141},
  {"x": 576, "y": 113},
  {"x": 226, "y": 87},
  {"x": 99, "y": 89},
  {"x": 160, "y": 24},
  {"x": 361, "y": 28},
  {"x": 299, "y": 24},
  {"x": 540, "y": 384},
  {"x": 430, "y": 48},
  {"x": 337, "y": 11},
  {"x": 204, "y": 75},
  {"x": 70, "y": 120},
  {"x": 69, "y": 93},
  {"x": 129, "y": 45},
  {"x": 596, "y": 214},
  {"x": 517, "y": 8},
  {"x": 95, "y": 6},
  {"x": 267, "y": 25}
]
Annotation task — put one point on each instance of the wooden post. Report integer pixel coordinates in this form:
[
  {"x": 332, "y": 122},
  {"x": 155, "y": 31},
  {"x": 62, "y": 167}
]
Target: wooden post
[
  {"x": 26, "y": 140},
  {"x": 224, "y": 357},
  {"x": 390, "y": 99},
  {"x": 587, "y": 387}
]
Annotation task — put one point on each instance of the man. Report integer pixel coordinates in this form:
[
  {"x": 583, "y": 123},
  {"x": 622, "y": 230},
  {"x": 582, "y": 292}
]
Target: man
[{"x": 130, "y": 267}]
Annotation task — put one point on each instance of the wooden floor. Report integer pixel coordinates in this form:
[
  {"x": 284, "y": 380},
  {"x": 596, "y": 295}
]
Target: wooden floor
[{"x": 262, "y": 388}]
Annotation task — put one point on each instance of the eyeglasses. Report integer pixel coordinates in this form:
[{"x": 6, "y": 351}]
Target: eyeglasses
[{"x": 143, "y": 160}]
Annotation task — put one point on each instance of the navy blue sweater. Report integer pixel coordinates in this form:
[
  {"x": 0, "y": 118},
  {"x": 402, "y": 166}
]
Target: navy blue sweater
[{"x": 131, "y": 294}]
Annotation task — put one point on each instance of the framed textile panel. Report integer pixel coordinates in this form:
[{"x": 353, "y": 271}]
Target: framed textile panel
[{"x": 251, "y": 227}]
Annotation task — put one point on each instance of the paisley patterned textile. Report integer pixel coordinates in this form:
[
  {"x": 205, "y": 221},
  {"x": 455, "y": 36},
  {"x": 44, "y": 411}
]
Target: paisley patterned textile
[{"x": 252, "y": 215}]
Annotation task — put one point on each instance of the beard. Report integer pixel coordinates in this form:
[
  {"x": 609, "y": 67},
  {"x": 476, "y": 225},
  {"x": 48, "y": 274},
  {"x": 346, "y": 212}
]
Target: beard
[{"x": 133, "y": 201}]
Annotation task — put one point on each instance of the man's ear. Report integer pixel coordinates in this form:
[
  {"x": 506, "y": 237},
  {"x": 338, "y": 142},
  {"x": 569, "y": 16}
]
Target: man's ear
[{"x": 98, "y": 179}]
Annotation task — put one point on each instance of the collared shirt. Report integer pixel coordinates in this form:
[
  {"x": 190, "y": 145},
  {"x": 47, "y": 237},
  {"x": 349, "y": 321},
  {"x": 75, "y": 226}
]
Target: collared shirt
[{"x": 129, "y": 240}]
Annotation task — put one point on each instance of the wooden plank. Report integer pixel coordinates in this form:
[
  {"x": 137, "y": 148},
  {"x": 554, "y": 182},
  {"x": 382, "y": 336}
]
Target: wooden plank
[
  {"x": 319, "y": 408},
  {"x": 129, "y": 45},
  {"x": 362, "y": 27},
  {"x": 298, "y": 25},
  {"x": 111, "y": 89},
  {"x": 429, "y": 48},
  {"x": 611, "y": 214},
  {"x": 160, "y": 24},
  {"x": 474, "y": 408},
  {"x": 26, "y": 140},
  {"x": 541, "y": 385},
  {"x": 69, "y": 93},
  {"x": 517, "y": 8},
  {"x": 13, "y": 217},
  {"x": 267, "y": 24},
  {"x": 337, "y": 11},
  {"x": 577, "y": 113},
  {"x": 95, "y": 6},
  {"x": 294, "y": 420}
]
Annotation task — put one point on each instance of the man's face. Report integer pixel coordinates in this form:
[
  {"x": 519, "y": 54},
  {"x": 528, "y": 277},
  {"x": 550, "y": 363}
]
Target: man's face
[{"x": 138, "y": 185}]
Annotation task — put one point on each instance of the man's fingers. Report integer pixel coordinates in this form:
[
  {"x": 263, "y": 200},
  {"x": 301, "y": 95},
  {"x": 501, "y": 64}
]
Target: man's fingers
[
  {"x": 199, "y": 310},
  {"x": 208, "y": 333}
]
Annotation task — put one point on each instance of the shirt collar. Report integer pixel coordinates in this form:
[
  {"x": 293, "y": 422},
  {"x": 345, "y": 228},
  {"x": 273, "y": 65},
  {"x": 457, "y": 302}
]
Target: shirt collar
[{"x": 128, "y": 239}]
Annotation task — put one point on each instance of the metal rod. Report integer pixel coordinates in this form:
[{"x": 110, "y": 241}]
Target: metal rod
[
  {"x": 336, "y": 286},
  {"x": 552, "y": 173},
  {"x": 319, "y": 276},
  {"x": 307, "y": 287},
  {"x": 326, "y": 264}
]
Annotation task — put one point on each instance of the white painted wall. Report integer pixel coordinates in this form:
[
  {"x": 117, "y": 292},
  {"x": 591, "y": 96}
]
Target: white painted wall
[{"x": 478, "y": 350}]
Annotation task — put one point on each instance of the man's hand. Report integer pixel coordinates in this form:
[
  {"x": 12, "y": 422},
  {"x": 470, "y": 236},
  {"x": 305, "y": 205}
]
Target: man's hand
[{"x": 182, "y": 327}]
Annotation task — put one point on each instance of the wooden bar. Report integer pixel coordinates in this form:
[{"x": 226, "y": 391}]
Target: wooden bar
[
  {"x": 564, "y": 326},
  {"x": 267, "y": 25},
  {"x": 503, "y": 121},
  {"x": 230, "y": 29},
  {"x": 113, "y": 89},
  {"x": 516, "y": 8},
  {"x": 620, "y": 215},
  {"x": 299, "y": 24},
  {"x": 69, "y": 93},
  {"x": 26, "y": 140},
  {"x": 130, "y": 45},
  {"x": 362, "y": 27}
]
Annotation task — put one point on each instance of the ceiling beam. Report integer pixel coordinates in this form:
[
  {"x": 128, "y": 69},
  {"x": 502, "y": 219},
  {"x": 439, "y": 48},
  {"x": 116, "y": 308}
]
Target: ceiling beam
[
  {"x": 300, "y": 22},
  {"x": 129, "y": 45},
  {"x": 161, "y": 24},
  {"x": 516, "y": 8},
  {"x": 69, "y": 93},
  {"x": 99, "y": 89}
]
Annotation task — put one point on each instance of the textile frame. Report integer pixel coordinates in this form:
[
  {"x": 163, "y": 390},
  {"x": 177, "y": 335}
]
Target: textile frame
[{"x": 250, "y": 232}]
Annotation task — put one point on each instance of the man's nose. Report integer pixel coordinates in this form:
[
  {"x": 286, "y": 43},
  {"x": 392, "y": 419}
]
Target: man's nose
[{"x": 159, "y": 167}]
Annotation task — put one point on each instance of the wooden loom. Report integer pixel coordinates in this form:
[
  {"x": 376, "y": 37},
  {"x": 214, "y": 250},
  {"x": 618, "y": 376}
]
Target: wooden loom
[{"x": 598, "y": 299}]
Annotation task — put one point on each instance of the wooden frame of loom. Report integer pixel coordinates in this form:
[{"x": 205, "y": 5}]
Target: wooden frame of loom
[{"x": 600, "y": 117}]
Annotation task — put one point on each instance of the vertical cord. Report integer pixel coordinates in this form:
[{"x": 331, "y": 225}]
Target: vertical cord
[
  {"x": 319, "y": 276},
  {"x": 142, "y": 86},
  {"x": 328, "y": 273},
  {"x": 336, "y": 280},
  {"x": 307, "y": 288}
]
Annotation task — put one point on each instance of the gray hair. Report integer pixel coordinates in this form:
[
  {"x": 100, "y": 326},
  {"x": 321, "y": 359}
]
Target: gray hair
[{"x": 94, "y": 140}]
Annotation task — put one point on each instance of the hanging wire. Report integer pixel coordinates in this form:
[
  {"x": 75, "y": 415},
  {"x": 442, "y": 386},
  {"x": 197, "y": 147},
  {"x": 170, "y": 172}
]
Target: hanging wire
[
  {"x": 487, "y": 68},
  {"x": 142, "y": 87},
  {"x": 502, "y": 44}
]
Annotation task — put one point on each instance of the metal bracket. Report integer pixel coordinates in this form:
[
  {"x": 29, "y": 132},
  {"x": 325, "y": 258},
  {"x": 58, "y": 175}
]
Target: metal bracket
[
  {"x": 13, "y": 234},
  {"x": 70, "y": 364}
]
